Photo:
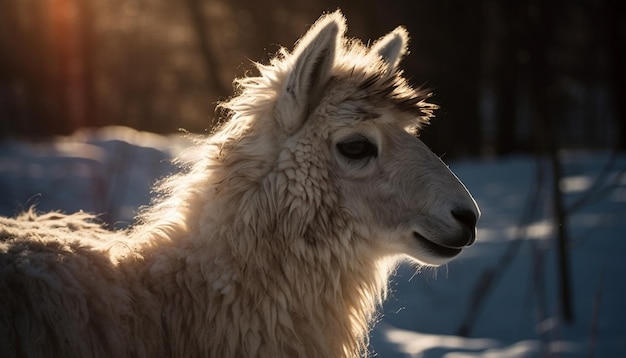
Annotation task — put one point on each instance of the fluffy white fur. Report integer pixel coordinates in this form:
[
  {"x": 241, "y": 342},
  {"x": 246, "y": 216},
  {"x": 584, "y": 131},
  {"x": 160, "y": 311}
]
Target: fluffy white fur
[{"x": 275, "y": 240}]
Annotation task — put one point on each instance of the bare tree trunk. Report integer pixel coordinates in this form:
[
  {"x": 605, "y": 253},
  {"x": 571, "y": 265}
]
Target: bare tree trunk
[
  {"x": 26, "y": 77},
  {"x": 617, "y": 71},
  {"x": 88, "y": 51},
  {"x": 545, "y": 97},
  {"x": 200, "y": 28},
  {"x": 506, "y": 81},
  {"x": 560, "y": 221}
]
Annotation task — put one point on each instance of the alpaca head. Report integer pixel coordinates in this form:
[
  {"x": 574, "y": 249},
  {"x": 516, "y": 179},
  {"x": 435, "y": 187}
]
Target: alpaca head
[{"x": 349, "y": 162}]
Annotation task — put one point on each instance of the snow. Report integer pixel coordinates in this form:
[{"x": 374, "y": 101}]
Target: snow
[{"x": 431, "y": 312}]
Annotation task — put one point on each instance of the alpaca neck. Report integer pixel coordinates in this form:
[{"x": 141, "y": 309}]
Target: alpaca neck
[
  {"x": 323, "y": 302},
  {"x": 312, "y": 303}
]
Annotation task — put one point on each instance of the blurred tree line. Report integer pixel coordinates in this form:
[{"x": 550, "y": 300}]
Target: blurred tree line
[{"x": 500, "y": 70}]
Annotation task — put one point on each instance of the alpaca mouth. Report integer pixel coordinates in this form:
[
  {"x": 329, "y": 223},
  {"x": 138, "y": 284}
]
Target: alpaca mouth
[{"x": 435, "y": 248}]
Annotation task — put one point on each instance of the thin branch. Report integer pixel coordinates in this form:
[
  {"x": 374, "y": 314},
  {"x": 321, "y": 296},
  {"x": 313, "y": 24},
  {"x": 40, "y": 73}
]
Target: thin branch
[{"x": 492, "y": 275}]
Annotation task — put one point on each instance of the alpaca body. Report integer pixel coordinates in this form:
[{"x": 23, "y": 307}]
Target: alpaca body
[
  {"x": 275, "y": 240},
  {"x": 78, "y": 300},
  {"x": 61, "y": 296}
]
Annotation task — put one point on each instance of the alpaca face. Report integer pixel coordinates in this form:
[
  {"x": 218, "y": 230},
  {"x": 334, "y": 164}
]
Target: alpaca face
[
  {"x": 350, "y": 119},
  {"x": 404, "y": 197}
]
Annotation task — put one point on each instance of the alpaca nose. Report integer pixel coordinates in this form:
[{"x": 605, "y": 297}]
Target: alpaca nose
[{"x": 468, "y": 218}]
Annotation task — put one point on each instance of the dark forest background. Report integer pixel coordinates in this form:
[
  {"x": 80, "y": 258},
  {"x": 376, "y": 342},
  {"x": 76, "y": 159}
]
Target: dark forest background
[{"x": 510, "y": 76}]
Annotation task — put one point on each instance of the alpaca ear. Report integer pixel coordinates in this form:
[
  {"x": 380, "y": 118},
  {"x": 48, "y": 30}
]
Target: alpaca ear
[
  {"x": 392, "y": 47},
  {"x": 313, "y": 59}
]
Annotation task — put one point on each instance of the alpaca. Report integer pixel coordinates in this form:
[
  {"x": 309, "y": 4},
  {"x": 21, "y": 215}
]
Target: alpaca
[{"x": 277, "y": 237}]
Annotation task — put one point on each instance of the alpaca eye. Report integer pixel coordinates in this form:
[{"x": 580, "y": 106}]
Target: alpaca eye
[{"x": 356, "y": 149}]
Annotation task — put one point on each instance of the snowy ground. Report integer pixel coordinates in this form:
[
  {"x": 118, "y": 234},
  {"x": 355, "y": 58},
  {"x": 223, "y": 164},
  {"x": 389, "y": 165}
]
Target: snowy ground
[{"x": 432, "y": 313}]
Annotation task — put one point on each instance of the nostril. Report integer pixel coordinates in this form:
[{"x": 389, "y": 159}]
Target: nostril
[
  {"x": 469, "y": 219},
  {"x": 466, "y": 217}
]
